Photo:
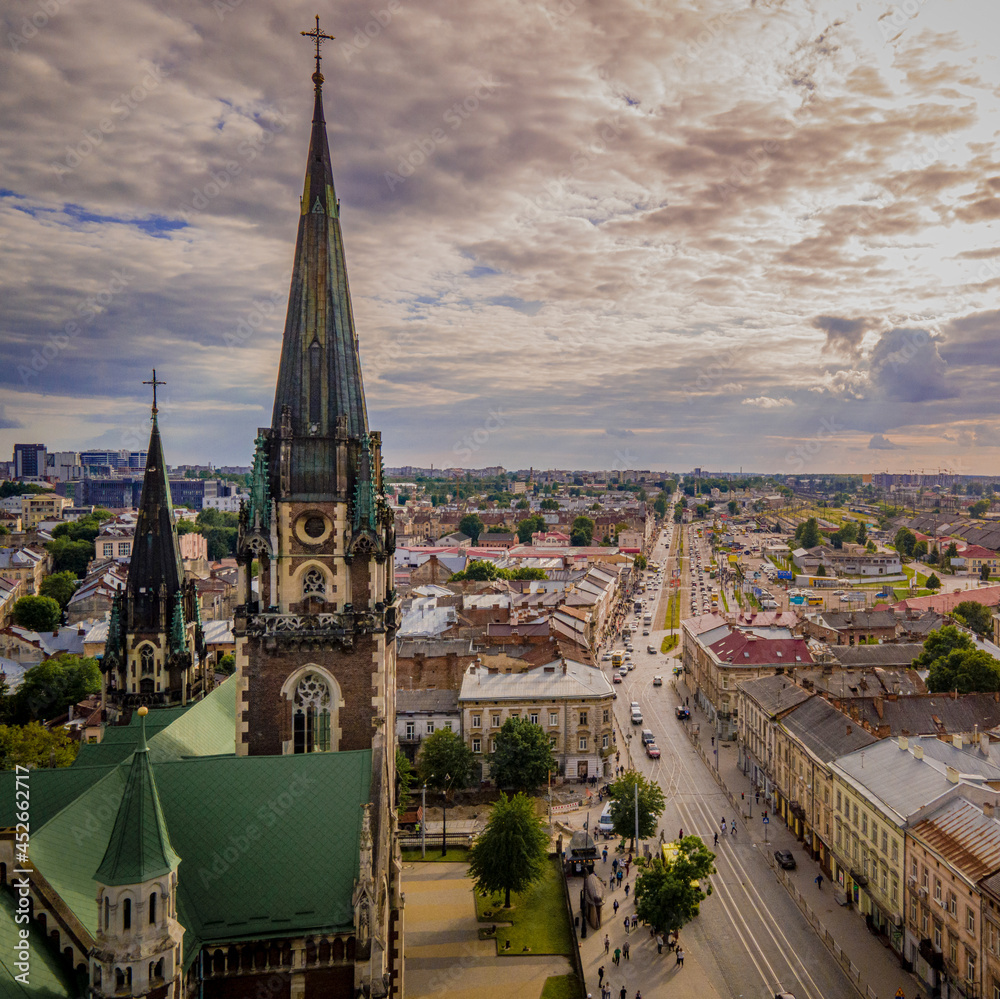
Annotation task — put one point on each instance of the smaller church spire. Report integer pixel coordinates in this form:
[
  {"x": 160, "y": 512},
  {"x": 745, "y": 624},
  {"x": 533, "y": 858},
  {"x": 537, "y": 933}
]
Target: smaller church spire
[{"x": 139, "y": 849}]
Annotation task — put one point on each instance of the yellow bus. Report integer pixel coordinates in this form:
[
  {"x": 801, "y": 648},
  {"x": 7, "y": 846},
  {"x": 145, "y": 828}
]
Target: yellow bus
[
  {"x": 617, "y": 658},
  {"x": 814, "y": 600}
]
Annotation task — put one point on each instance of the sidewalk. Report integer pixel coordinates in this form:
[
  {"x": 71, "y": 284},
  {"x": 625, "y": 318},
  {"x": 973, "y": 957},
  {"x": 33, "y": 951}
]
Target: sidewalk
[{"x": 873, "y": 967}]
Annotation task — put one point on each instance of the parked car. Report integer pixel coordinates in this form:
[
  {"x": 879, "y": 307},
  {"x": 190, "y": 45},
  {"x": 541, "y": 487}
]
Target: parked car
[
  {"x": 657, "y": 681},
  {"x": 652, "y": 751},
  {"x": 682, "y": 712},
  {"x": 645, "y": 631},
  {"x": 785, "y": 859}
]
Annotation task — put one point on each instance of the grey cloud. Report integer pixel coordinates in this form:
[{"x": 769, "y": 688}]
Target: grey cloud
[
  {"x": 843, "y": 334},
  {"x": 906, "y": 366},
  {"x": 881, "y": 443}
]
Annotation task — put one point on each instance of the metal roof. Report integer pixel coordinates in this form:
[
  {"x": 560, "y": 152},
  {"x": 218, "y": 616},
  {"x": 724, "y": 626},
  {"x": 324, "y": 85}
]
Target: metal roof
[
  {"x": 826, "y": 732},
  {"x": 774, "y": 694},
  {"x": 548, "y": 682},
  {"x": 435, "y": 701},
  {"x": 964, "y": 836}
]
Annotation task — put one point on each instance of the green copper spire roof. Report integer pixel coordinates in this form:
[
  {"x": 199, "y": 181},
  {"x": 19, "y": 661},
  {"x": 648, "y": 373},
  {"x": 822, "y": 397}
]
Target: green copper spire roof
[
  {"x": 156, "y": 558},
  {"x": 178, "y": 627},
  {"x": 139, "y": 848},
  {"x": 319, "y": 377}
]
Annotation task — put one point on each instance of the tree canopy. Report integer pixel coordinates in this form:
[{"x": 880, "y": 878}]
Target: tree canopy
[
  {"x": 529, "y": 526},
  {"x": 70, "y": 556},
  {"x": 651, "y": 805},
  {"x": 940, "y": 642},
  {"x": 445, "y": 761},
  {"x": 481, "y": 570},
  {"x": 523, "y": 757},
  {"x": 49, "y": 688},
  {"x": 640, "y": 561},
  {"x": 60, "y": 586},
  {"x": 33, "y": 745},
  {"x": 966, "y": 670},
  {"x": 669, "y": 895},
  {"x": 976, "y": 616},
  {"x": 472, "y": 526},
  {"x": 905, "y": 541},
  {"x": 405, "y": 777},
  {"x": 979, "y": 507},
  {"x": 510, "y": 854},
  {"x": 582, "y": 532},
  {"x": 807, "y": 534},
  {"x": 37, "y": 613}
]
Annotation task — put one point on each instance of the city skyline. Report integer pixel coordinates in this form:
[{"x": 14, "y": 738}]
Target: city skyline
[{"x": 724, "y": 237}]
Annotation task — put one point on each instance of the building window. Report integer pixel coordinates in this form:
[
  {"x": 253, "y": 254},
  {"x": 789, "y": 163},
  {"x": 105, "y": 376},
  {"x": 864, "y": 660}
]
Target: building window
[
  {"x": 923, "y": 923},
  {"x": 885, "y": 880},
  {"x": 107, "y": 912},
  {"x": 913, "y": 868},
  {"x": 447, "y": 725},
  {"x": 855, "y": 815},
  {"x": 583, "y": 717},
  {"x": 311, "y": 720},
  {"x": 495, "y": 721},
  {"x": 314, "y": 584},
  {"x": 953, "y": 903},
  {"x": 970, "y": 965},
  {"x": 953, "y": 949},
  {"x": 864, "y": 824},
  {"x": 895, "y": 890},
  {"x": 553, "y": 717},
  {"x": 533, "y": 717},
  {"x": 127, "y": 914},
  {"x": 605, "y": 741},
  {"x": 123, "y": 548},
  {"x": 970, "y": 922},
  {"x": 937, "y": 936},
  {"x": 895, "y": 851},
  {"x": 607, "y": 716},
  {"x": 477, "y": 721},
  {"x": 146, "y": 660},
  {"x": 109, "y": 551},
  {"x": 583, "y": 743},
  {"x": 552, "y": 742},
  {"x": 430, "y": 728},
  {"x": 152, "y": 907},
  {"x": 477, "y": 745},
  {"x": 838, "y": 801},
  {"x": 937, "y": 889},
  {"x": 885, "y": 841},
  {"x": 913, "y": 911}
]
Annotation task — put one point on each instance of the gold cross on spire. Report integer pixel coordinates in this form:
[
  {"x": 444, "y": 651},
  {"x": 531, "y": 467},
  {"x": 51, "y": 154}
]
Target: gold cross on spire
[
  {"x": 154, "y": 383},
  {"x": 319, "y": 37}
]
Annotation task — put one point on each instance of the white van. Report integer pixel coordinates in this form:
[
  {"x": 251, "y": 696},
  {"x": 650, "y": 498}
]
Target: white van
[{"x": 604, "y": 824}]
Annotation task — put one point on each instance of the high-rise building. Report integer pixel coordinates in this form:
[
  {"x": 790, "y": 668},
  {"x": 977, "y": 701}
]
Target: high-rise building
[{"x": 29, "y": 461}]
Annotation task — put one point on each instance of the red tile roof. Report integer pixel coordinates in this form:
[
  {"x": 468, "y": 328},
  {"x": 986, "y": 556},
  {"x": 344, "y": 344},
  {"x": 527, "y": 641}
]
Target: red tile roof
[{"x": 749, "y": 650}]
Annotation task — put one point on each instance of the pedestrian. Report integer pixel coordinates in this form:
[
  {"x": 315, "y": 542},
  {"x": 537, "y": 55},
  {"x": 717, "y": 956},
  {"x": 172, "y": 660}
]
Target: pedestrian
[
  {"x": 600, "y": 977},
  {"x": 713, "y": 740},
  {"x": 618, "y": 956},
  {"x": 635, "y": 921},
  {"x": 623, "y": 993},
  {"x": 716, "y": 839},
  {"x": 680, "y": 956},
  {"x": 616, "y": 907},
  {"x": 604, "y": 855},
  {"x": 757, "y": 796},
  {"x": 627, "y": 921},
  {"x": 625, "y": 951},
  {"x": 614, "y": 865},
  {"x": 638, "y": 994},
  {"x": 687, "y": 702},
  {"x": 819, "y": 881},
  {"x": 626, "y": 889},
  {"x": 659, "y": 943},
  {"x": 621, "y": 874},
  {"x": 680, "y": 834},
  {"x": 628, "y": 864},
  {"x": 607, "y": 943},
  {"x": 734, "y": 827}
]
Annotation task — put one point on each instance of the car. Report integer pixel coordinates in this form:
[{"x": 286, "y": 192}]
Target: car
[
  {"x": 623, "y": 671},
  {"x": 682, "y": 712},
  {"x": 635, "y": 706},
  {"x": 645, "y": 631},
  {"x": 606, "y": 658},
  {"x": 785, "y": 859},
  {"x": 657, "y": 681},
  {"x": 652, "y": 751},
  {"x": 646, "y": 736},
  {"x": 616, "y": 678},
  {"x": 651, "y": 649}
]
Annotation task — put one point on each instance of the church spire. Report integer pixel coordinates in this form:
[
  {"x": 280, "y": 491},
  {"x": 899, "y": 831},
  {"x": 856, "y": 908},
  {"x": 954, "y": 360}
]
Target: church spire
[
  {"x": 319, "y": 378},
  {"x": 155, "y": 568}
]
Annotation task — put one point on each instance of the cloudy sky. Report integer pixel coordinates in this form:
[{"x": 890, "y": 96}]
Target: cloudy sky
[{"x": 580, "y": 233}]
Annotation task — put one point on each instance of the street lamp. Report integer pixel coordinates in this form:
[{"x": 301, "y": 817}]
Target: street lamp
[{"x": 444, "y": 817}]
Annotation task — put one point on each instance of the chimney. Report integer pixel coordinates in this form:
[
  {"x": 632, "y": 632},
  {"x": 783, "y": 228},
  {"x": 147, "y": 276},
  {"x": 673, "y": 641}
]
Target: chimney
[
  {"x": 988, "y": 809},
  {"x": 956, "y": 740},
  {"x": 984, "y": 744},
  {"x": 953, "y": 775},
  {"x": 904, "y": 743},
  {"x": 918, "y": 752},
  {"x": 849, "y": 730}
]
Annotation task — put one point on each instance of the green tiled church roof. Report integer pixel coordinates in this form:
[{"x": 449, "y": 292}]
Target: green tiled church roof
[{"x": 139, "y": 849}]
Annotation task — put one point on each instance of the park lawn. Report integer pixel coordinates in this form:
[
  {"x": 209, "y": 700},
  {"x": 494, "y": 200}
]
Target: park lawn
[
  {"x": 669, "y": 643},
  {"x": 538, "y": 916},
  {"x": 455, "y": 854},
  {"x": 562, "y": 987}
]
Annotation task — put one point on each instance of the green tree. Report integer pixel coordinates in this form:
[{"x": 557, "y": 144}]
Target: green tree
[
  {"x": 549, "y": 504},
  {"x": 60, "y": 586},
  {"x": 445, "y": 761},
  {"x": 920, "y": 549},
  {"x": 523, "y": 757},
  {"x": 933, "y": 583},
  {"x": 37, "y": 613},
  {"x": 472, "y": 526},
  {"x": 668, "y": 895},
  {"x": 660, "y": 506},
  {"x": 905, "y": 541},
  {"x": 862, "y": 538},
  {"x": 932, "y": 557},
  {"x": 733, "y": 506},
  {"x": 940, "y": 643},
  {"x": 821, "y": 570},
  {"x": 640, "y": 562},
  {"x": 810, "y": 536},
  {"x": 49, "y": 688},
  {"x": 651, "y": 805},
  {"x": 405, "y": 777},
  {"x": 975, "y": 616},
  {"x": 70, "y": 556},
  {"x": 523, "y": 504},
  {"x": 482, "y": 570},
  {"x": 510, "y": 854},
  {"x": 871, "y": 548},
  {"x": 226, "y": 664},
  {"x": 979, "y": 507},
  {"x": 529, "y": 526},
  {"x": 33, "y": 745},
  {"x": 582, "y": 532},
  {"x": 529, "y": 572},
  {"x": 984, "y": 572},
  {"x": 966, "y": 670},
  {"x": 951, "y": 551}
]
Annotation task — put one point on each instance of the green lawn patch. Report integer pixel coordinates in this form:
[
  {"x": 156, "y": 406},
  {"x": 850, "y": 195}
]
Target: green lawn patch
[
  {"x": 455, "y": 854},
  {"x": 538, "y": 917},
  {"x": 562, "y": 987},
  {"x": 669, "y": 643}
]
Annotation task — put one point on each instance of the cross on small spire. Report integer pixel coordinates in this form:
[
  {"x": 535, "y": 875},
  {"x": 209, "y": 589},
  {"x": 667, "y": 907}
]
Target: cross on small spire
[
  {"x": 154, "y": 383},
  {"x": 319, "y": 37}
]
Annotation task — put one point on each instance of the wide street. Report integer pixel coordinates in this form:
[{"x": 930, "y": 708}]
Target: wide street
[{"x": 750, "y": 937}]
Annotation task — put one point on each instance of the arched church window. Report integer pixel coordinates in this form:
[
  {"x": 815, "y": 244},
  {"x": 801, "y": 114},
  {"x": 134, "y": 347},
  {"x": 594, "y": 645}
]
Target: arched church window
[
  {"x": 152, "y": 907},
  {"x": 312, "y": 715},
  {"x": 146, "y": 659},
  {"x": 314, "y": 583}
]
